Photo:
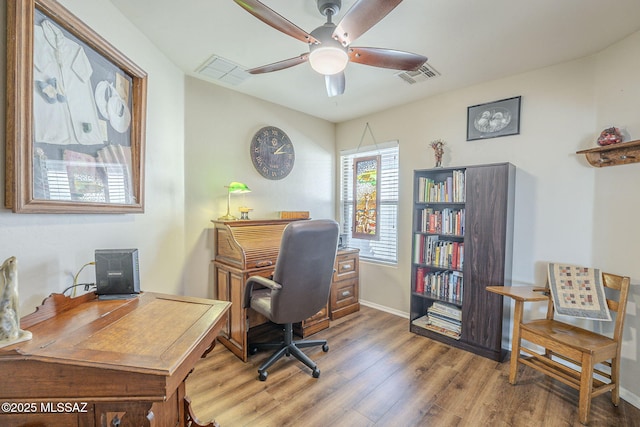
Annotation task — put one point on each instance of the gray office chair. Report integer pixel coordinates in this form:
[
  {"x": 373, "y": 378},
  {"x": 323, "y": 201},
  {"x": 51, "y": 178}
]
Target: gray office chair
[{"x": 299, "y": 288}]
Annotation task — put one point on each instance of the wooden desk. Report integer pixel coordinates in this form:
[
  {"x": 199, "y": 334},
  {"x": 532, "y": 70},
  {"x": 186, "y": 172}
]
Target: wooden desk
[
  {"x": 107, "y": 362},
  {"x": 247, "y": 248},
  {"x": 520, "y": 295}
]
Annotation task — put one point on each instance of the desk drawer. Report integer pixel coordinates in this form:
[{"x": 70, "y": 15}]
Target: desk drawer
[
  {"x": 344, "y": 293},
  {"x": 346, "y": 266},
  {"x": 319, "y": 316}
]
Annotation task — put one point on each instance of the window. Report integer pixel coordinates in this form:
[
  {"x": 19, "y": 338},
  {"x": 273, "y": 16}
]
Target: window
[{"x": 385, "y": 247}]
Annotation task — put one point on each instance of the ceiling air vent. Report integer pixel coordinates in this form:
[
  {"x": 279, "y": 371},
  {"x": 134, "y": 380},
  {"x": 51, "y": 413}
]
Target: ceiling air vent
[
  {"x": 423, "y": 73},
  {"x": 221, "y": 69}
]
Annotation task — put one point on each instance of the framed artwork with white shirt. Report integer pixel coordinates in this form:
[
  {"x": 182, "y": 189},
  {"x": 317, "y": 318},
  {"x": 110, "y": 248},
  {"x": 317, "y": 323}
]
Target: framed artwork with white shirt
[{"x": 76, "y": 113}]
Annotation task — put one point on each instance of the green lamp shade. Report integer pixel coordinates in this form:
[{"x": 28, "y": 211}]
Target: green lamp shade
[{"x": 238, "y": 187}]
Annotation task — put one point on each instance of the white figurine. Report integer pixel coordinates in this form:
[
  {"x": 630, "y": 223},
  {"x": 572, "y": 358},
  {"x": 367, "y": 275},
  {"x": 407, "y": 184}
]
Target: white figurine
[{"x": 10, "y": 332}]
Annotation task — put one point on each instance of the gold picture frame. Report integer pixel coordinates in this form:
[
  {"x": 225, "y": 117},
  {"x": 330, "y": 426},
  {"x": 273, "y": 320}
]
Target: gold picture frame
[{"x": 75, "y": 116}]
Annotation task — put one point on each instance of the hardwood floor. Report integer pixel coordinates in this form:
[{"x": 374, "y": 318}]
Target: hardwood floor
[{"x": 377, "y": 373}]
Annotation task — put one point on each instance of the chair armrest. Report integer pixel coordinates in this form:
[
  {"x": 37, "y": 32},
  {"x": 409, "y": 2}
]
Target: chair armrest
[
  {"x": 248, "y": 290},
  {"x": 267, "y": 283},
  {"x": 521, "y": 293}
]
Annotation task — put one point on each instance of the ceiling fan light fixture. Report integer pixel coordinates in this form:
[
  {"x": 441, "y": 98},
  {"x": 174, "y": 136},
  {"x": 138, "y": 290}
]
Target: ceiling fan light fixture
[{"x": 328, "y": 60}]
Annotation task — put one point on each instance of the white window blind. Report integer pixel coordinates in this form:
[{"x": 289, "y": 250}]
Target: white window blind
[{"x": 385, "y": 247}]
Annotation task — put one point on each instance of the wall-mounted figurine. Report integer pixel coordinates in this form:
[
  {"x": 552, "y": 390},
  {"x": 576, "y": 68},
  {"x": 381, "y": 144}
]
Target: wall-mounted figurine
[{"x": 10, "y": 332}]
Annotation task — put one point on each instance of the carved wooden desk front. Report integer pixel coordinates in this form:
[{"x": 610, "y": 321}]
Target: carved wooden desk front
[{"x": 107, "y": 363}]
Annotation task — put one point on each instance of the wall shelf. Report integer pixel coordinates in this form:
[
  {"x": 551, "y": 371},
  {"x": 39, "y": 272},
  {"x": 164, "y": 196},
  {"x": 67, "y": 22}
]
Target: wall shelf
[{"x": 613, "y": 155}]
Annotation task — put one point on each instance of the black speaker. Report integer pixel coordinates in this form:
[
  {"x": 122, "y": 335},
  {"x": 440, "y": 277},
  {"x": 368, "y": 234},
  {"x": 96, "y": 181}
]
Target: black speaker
[{"x": 117, "y": 272}]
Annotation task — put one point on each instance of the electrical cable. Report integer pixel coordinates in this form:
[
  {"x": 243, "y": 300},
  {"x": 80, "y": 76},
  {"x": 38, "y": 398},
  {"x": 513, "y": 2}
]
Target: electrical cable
[
  {"x": 75, "y": 279},
  {"x": 87, "y": 286}
]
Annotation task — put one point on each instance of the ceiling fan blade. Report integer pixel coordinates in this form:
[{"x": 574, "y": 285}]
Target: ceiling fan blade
[
  {"x": 335, "y": 84},
  {"x": 280, "y": 65},
  {"x": 386, "y": 58},
  {"x": 363, "y": 15},
  {"x": 277, "y": 21}
]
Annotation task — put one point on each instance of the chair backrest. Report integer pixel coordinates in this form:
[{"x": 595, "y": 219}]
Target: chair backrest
[
  {"x": 616, "y": 301},
  {"x": 304, "y": 269},
  {"x": 619, "y": 305}
]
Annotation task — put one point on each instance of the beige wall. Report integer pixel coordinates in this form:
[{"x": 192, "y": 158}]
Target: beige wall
[
  {"x": 51, "y": 248},
  {"x": 219, "y": 126},
  {"x": 565, "y": 210},
  {"x": 614, "y": 232}
]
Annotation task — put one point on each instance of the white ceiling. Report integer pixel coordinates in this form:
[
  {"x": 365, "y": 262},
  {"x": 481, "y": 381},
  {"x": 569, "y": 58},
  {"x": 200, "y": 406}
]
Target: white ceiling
[{"x": 466, "y": 41}]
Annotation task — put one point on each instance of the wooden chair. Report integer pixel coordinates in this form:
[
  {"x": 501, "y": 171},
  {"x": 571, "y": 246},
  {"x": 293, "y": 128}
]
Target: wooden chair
[{"x": 566, "y": 344}]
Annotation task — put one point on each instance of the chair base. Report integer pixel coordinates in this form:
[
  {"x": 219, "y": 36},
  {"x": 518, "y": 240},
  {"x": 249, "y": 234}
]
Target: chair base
[{"x": 288, "y": 347}]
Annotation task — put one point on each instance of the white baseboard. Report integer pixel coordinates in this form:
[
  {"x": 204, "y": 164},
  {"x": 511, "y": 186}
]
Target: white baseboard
[
  {"x": 625, "y": 394},
  {"x": 629, "y": 397},
  {"x": 385, "y": 309}
]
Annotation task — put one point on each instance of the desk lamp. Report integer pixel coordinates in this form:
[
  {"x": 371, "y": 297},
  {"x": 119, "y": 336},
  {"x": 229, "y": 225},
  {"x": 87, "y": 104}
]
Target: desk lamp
[{"x": 236, "y": 188}]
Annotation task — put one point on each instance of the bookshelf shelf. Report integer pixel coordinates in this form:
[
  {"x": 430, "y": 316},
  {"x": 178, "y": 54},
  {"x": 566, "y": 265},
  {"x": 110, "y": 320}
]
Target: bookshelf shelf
[
  {"x": 439, "y": 267},
  {"x": 462, "y": 239},
  {"x": 442, "y": 203},
  {"x": 448, "y": 237}
]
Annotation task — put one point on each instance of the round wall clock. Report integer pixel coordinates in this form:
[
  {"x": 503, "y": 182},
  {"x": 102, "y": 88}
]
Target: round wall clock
[{"x": 272, "y": 153}]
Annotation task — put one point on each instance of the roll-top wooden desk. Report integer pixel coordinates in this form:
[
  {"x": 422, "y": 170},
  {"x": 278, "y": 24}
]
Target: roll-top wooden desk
[
  {"x": 98, "y": 362},
  {"x": 247, "y": 248}
]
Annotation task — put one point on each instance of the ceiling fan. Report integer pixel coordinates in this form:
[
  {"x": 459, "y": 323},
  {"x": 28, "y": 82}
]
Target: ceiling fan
[{"x": 330, "y": 45}]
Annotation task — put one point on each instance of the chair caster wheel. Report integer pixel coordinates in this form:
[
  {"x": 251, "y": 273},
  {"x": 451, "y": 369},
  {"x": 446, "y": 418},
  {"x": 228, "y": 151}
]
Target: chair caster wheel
[
  {"x": 325, "y": 348},
  {"x": 262, "y": 376},
  {"x": 316, "y": 373}
]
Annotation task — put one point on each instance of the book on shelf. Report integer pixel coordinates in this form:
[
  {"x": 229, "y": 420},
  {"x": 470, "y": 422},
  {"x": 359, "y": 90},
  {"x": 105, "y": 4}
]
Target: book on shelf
[
  {"x": 447, "y": 317},
  {"x": 445, "y": 284},
  {"x": 458, "y": 186},
  {"x": 442, "y": 253},
  {"x": 449, "y": 190},
  {"x": 425, "y": 323},
  {"x": 443, "y": 324},
  {"x": 420, "y": 273},
  {"x": 445, "y": 221},
  {"x": 447, "y": 308},
  {"x": 434, "y": 222},
  {"x": 443, "y": 331},
  {"x": 421, "y": 321},
  {"x": 444, "y": 321},
  {"x": 455, "y": 319},
  {"x": 432, "y": 243},
  {"x": 417, "y": 248}
]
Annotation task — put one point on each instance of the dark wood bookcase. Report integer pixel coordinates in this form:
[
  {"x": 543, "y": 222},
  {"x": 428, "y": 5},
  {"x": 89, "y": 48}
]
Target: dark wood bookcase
[{"x": 462, "y": 243}]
